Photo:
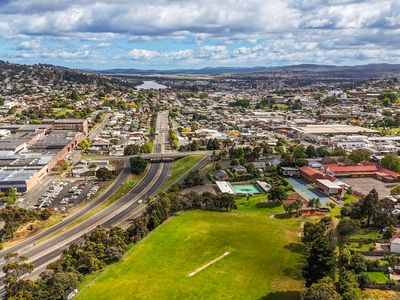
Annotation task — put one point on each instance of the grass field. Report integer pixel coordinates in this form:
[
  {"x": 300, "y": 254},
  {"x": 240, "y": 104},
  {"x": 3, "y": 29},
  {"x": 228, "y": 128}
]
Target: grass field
[
  {"x": 179, "y": 167},
  {"x": 264, "y": 262},
  {"x": 61, "y": 112}
]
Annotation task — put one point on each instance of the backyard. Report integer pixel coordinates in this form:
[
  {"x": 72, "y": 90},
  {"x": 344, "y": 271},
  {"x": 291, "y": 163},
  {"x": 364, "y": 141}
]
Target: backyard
[{"x": 263, "y": 262}]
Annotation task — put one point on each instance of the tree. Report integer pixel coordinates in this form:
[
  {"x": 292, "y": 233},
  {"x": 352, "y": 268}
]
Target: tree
[
  {"x": 147, "y": 147},
  {"x": 391, "y": 161},
  {"x": 389, "y": 231},
  {"x": 297, "y": 205},
  {"x": 395, "y": 190},
  {"x": 314, "y": 203},
  {"x": 131, "y": 149},
  {"x": 84, "y": 144},
  {"x": 348, "y": 286},
  {"x": 138, "y": 164},
  {"x": 193, "y": 179},
  {"x": 288, "y": 208},
  {"x": 339, "y": 151},
  {"x": 322, "y": 152},
  {"x": 299, "y": 152},
  {"x": 74, "y": 95},
  {"x": 276, "y": 195},
  {"x": 323, "y": 289},
  {"x": 104, "y": 174},
  {"x": 383, "y": 215},
  {"x": 370, "y": 204},
  {"x": 312, "y": 231},
  {"x": 359, "y": 155},
  {"x": 347, "y": 227},
  {"x": 357, "y": 263},
  {"x": 320, "y": 260},
  {"x": 213, "y": 144},
  {"x": 311, "y": 151},
  {"x": 56, "y": 285},
  {"x": 14, "y": 270}
]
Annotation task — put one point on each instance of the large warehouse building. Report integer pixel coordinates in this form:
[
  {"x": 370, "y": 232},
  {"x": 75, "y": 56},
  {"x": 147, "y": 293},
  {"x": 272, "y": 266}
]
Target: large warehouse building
[{"x": 30, "y": 152}]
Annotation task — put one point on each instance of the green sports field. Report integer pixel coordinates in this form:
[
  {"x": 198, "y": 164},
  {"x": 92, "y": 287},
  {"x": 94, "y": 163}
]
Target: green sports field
[{"x": 264, "y": 262}]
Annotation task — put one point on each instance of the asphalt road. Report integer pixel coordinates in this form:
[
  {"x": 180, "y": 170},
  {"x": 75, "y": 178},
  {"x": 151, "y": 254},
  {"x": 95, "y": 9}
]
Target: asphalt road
[
  {"x": 70, "y": 219},
  {"x": 41, "y": 251},
  {"x": 113, "y": 213}
]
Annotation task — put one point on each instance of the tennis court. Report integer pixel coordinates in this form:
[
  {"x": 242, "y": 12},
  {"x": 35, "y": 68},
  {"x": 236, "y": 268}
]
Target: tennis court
[{"x": 307, "y": 190}]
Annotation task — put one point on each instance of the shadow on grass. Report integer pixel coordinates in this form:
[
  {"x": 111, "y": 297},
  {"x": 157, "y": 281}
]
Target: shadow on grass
[
  {"x": 295, "y": 247},
  {"x": 283, "y": 216},
  {"x": 266, "y": 205},
  {"x": 288, "y": 295}
]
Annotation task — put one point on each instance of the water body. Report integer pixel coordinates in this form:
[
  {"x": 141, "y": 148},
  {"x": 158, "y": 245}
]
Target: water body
[{"x": 151, "y": 84}]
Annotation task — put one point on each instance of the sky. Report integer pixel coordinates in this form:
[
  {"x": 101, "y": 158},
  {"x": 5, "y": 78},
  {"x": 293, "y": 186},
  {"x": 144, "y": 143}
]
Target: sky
[{"x": 175, "y": 34}]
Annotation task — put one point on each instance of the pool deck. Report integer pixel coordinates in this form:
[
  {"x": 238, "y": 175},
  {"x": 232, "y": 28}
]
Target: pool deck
[{"x": 306, "y": 190}]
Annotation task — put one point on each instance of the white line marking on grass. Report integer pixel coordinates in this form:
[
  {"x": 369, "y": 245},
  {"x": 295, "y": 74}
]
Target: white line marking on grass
[{"x": 208, "y": 264}]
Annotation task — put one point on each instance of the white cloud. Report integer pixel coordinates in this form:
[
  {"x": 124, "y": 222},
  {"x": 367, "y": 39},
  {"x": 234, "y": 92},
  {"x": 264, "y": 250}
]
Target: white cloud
[{"x": 225, "y": 31}]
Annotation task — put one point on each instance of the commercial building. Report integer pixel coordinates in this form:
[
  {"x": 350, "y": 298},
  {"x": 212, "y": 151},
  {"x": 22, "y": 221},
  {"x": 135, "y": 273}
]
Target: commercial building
[
  {"x": 309, "y": 174},
  {"x": 29, "y": 152},
  {"x": 328, "y": 187},
  {"x": 333, "y": 129}
]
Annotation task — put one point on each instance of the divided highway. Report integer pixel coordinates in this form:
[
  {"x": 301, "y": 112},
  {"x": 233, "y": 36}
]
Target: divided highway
[{"x": 46, "y": 246}]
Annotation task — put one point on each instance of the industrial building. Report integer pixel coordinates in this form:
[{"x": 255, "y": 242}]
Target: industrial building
[{"x": 30, "y": 152}]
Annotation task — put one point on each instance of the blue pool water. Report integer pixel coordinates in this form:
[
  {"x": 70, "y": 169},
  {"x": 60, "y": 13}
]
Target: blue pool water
[
  {"x": 246, "y": 189},
  {"x": 307, "y": 190}
]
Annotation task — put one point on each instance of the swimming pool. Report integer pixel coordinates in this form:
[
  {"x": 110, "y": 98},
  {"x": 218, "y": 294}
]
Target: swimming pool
[
  {"x": 307, "y": 190},
  {"x": 246, "y": 189}
]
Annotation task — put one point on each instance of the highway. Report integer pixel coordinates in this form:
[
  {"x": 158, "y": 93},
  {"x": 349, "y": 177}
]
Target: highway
[{"x": 45, "y": 247}]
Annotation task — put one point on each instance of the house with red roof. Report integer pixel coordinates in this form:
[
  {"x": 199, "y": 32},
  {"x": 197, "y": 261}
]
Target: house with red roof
[
  {"x": 309, "y": 174},
  {"x": 365, "y": 169}
]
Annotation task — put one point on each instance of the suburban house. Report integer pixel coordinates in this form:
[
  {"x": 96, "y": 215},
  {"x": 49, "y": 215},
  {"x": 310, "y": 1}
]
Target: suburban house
[
  {"x": 239, "y": 169},
  {"x": 289, "y": 171},
  {"x": 221, "y": 175}
]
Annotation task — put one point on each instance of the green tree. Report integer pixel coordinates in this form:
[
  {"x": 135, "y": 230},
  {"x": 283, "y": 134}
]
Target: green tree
[
  {"x": 395, "y": 190},
  {"x": 138, "y": 164},
  {"x": 84, "y": 144},
  {"x": 359, "y": 156},
  {"x": 320, "y": 261},
  {"x": 347, "y": 227},
  {"x": 391, "y": 161},
  {"x": 383, "y": 215},
  {"x": 323, "y": 289},
  {"x": 15, "y": 285},
  {"x": 147, "y": 147},
  {"x": 370, "y": 204},
  {"x": 311, "y": 151},
  {"x": 131, "y": 149},
  {"x": 357, "y": 263},
  {"x": 348, "y": 286},
  {"x": 276, "y": 195},
  {"x": 56, "y": 285},
  {"x": 104, "y": 174}
]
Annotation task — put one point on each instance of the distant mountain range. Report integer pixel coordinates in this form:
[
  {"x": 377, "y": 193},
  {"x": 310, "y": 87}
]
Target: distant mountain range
[{"x": 369, "y": 70}]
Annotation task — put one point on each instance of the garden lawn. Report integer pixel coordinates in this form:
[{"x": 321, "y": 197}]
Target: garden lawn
[
  {"x": 378, "y": 277},
  {"x": 265, "y": 259},
  {"x": 180, "y": 167}
]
